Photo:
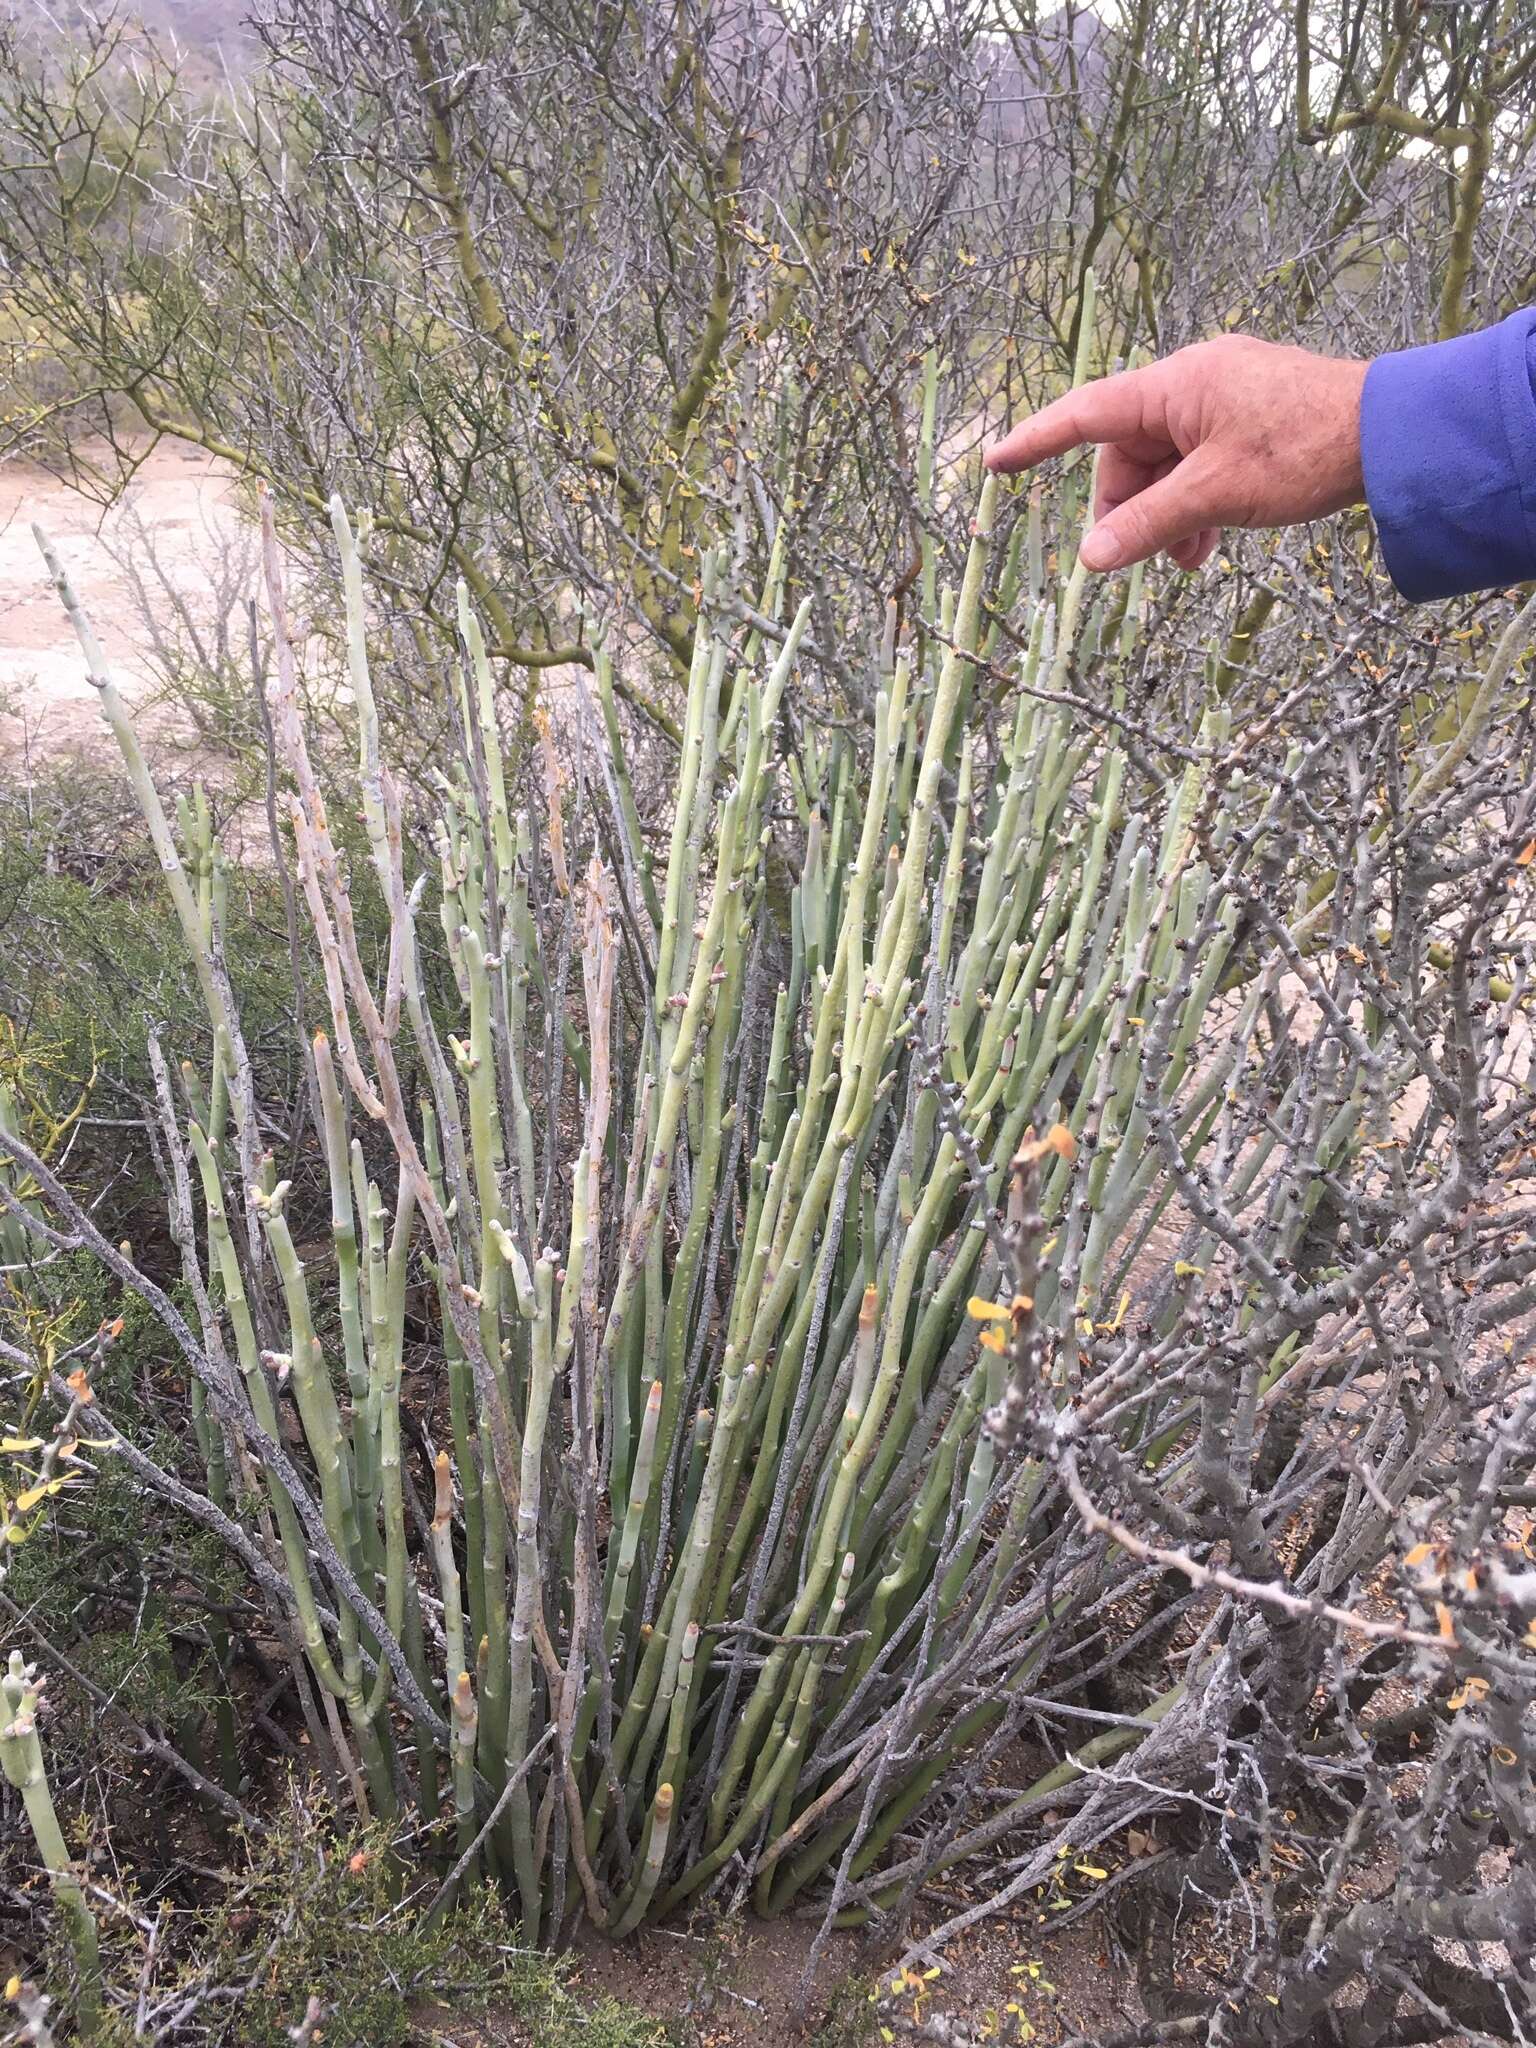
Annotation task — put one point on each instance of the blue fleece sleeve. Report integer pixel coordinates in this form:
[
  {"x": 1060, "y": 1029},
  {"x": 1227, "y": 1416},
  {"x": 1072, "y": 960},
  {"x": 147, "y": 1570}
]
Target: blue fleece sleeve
[{"x": 1448, "y": 443}]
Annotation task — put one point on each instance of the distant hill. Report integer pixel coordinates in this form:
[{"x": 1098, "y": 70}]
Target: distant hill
[
  {"x": 202, "y": 27},
  {"x": 200, "y": 24},
  {"x": 218, "y": 31}
]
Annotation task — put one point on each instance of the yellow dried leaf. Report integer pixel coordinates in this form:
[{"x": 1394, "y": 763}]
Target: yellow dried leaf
[
  {"x": 21, "y": 1443},
  {"x": 1058, "y": 1139},
  {"x": 985, "y": 1311},
  {"x": 34, "y": 1494}
]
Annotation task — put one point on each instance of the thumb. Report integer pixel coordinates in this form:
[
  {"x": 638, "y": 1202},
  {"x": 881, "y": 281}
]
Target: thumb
[{"x": 1176, "y": 507}]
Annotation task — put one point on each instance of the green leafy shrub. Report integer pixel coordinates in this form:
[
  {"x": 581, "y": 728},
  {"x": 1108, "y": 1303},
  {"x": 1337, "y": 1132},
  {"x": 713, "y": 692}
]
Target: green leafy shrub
[{"x": 312, "y": 1907}]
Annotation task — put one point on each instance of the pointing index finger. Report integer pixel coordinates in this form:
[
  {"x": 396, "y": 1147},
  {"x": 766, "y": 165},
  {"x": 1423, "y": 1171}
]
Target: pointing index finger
[{"x": 1113, "y": 409}]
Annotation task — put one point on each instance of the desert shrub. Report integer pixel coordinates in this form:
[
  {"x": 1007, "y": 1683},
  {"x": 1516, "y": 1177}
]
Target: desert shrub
[
  {"x": 313, "y": 1905},
  {"x": 899, "y": 1283},
  {"x": 1007, "y": 1219},
  {"x": 659, "y": 259},
  {"x": 317, "y": 1909}
]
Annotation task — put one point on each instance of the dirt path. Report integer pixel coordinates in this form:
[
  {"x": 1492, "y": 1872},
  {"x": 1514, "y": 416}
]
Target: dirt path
[{"x": 181, "y": 502}]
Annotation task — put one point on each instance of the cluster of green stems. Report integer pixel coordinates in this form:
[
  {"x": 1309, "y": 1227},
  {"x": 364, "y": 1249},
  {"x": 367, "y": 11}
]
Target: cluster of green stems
[{"x": 685, "y": 1195}]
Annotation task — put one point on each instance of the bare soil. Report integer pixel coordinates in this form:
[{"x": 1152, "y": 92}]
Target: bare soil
[
  {"x": 182, "y": 501},
  {"x": 743, "y": 1986}
]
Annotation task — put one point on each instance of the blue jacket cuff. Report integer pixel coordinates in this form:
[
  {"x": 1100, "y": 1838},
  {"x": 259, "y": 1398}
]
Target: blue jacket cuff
[{"x": 1448, "y": 445}]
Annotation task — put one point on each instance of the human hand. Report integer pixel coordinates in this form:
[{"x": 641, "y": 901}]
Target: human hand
[{"x": 1231, "y": 432}]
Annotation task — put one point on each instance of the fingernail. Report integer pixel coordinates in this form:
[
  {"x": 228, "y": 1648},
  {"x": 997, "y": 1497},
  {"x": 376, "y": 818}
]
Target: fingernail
[{"x": 1101, "y": 549}]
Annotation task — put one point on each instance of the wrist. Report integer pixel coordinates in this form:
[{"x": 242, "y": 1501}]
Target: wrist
[{"x": 1343, "y": 470}]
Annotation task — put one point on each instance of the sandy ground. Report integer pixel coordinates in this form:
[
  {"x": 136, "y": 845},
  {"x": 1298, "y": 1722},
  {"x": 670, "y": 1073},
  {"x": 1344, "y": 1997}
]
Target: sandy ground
[{"x": 182, "y": 502}]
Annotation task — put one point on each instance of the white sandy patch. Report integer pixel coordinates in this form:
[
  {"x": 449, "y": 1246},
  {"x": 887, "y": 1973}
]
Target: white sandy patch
[{"x": 182, "y": 500}]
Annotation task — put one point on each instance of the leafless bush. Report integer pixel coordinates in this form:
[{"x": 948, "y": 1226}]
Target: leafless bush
[{"x": 552, "y": 294}]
